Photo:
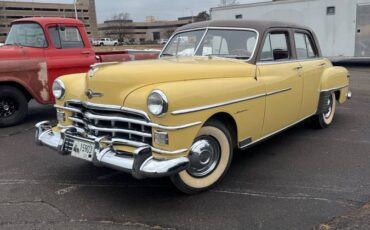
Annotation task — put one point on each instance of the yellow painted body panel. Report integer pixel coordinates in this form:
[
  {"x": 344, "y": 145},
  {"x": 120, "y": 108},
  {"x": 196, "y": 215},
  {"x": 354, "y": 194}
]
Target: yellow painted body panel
[{"x": 201, "y": 81}]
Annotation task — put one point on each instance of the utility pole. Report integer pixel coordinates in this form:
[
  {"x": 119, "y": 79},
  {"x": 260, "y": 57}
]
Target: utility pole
[{"x": 75, "y": 4}]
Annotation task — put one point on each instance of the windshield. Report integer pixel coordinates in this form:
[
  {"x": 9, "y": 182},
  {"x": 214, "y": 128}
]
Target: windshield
[
  {"x": 184, "y": 44},
  {"x": 239, "y": 44},
  {"x": 27, "y": 34}
]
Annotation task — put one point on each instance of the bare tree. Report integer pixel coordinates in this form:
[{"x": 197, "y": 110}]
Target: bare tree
[
  {"x": 118, "y": 24},
  {"x": 228, "y": 2}
]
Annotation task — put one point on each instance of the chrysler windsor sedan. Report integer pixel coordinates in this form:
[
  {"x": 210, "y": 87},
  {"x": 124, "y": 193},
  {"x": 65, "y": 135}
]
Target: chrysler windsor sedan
[{"x": 217, "y": 86}]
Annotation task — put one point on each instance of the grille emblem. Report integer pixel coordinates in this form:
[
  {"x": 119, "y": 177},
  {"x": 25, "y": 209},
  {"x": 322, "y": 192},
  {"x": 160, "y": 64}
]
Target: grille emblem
[{"x": 90, "y": 94}]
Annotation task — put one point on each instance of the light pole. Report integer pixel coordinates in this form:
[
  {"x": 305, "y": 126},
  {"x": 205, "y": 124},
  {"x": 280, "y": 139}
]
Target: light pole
[{"x": 75, "y": 4}]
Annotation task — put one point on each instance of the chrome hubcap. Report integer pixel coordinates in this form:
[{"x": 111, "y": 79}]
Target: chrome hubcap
[
  {"x": 204, "y": 156},
  {"x": 7, "y": 107},
  {"x": 330, "y": 104}
]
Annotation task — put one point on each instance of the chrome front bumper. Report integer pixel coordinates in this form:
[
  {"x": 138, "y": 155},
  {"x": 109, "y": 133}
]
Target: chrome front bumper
[{"x": 140, "y": 165}]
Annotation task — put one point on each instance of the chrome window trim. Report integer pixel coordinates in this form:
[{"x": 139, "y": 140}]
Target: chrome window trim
[
  {"x": 287, "y": 61},
  {"x": 335, "y": 88},
  {"x": 214, "y": 28},
  {"x": 212, "y": 106}
]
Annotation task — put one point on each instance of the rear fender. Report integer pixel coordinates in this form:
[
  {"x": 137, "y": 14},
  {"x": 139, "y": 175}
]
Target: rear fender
[{"x": 335, "y": 79}]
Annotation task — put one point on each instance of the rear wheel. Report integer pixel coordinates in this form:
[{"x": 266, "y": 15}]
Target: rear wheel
[
  {"x": 324, "y": 120},
  {"x": 210, "y": 157},
  {"x": 13, "y": 106}
]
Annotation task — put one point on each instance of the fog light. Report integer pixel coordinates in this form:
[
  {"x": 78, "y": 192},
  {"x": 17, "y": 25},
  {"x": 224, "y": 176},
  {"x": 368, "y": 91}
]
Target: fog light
[
  {"x": 61, "y": 116},
  {"x": 161, "y": 138}
]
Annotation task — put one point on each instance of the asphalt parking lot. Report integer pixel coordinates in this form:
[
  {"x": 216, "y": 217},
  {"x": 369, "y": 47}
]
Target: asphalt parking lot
[{"x": 297, "y": 180}]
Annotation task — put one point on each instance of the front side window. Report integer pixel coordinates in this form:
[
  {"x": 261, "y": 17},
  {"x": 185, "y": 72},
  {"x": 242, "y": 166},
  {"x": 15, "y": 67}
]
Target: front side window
[
  {"x": 28, "y": 35},
  {"x": 66, "y": 37},
  {"x": 276, "y": 47},
  {"x": 239, "y": 44}
]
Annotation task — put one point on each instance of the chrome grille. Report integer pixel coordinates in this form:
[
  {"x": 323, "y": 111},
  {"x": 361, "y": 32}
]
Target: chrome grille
[{"x": 111, "y": 122}]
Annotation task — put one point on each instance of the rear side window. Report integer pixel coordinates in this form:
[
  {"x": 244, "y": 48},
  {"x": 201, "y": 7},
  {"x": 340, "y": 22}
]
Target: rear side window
[
  {"x": 66, "y": 37},
  {"x": 304, "y": 46},
  {"x": 276, "y": 47}
]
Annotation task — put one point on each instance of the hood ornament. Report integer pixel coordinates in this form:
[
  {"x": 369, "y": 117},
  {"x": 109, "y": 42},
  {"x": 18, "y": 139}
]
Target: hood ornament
[{"x": 91, "y": 94}]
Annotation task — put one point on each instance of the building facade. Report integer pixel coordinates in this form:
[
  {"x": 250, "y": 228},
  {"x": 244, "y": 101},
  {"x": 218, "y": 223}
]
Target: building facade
[
  {"x": 10, "y": 11},
  {"x": 149, "y": 30}
]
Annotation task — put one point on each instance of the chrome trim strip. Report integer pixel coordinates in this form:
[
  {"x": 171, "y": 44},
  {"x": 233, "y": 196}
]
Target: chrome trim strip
[
  {"x": 278, "y": 91},
  {"x": 201, "y": 108},
  {"x": 68, "y": 108},
  {"x": 153, "y": 125},
  {"x": 90, "y": 105},
  {"x": 205, "y": 33},
  {"x": 340, "y": 87},
  {"x": 271, "y": 134},
  {"x": 112, "y": 130},
  {"x": 97, "y": 65},
  {"x": 287, "y": 61}
]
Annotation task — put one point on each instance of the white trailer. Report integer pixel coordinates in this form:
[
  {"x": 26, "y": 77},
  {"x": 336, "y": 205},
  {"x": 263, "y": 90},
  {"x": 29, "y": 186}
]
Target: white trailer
[{"x": 342, "y": 26}]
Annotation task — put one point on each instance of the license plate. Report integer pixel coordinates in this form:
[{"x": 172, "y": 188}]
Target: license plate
[{"x": 83, "y": 150}]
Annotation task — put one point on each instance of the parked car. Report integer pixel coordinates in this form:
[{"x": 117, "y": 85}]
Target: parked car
[
  {"x": 36, "y": 52},
  {"x": 1, "y": 44},
  {"x": 183, "y": 117},
  {"x": 105, "y": 42}
]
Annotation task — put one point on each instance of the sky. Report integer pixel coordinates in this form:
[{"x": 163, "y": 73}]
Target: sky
[{"x": 138, "y": 9}]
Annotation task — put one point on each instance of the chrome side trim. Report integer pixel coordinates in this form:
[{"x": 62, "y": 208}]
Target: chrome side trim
[
  {"x": 278, "y": 91},
  {"x": 336, "y": 88},
  {"x": 201, "y": 108},
  {"x": 271, "y": 134}
]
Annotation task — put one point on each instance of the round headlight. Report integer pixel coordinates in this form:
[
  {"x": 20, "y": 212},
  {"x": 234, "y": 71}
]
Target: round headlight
[
  {"x": 58, "y": 89},
  {"x": 157, "y": 103}
]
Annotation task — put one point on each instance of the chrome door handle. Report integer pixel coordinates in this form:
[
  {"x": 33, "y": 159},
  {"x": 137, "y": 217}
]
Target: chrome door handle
[
  {"x": 322, "y": 64},
  {"x": 298, "y": 68},
  {"x": 86, "y": 52}
]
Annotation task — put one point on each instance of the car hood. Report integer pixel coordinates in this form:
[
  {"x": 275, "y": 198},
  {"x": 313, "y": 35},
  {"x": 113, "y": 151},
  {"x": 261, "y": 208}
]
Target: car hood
[
  {"x": 12, "y": 52},
  {"x": 116, "y": 82}
]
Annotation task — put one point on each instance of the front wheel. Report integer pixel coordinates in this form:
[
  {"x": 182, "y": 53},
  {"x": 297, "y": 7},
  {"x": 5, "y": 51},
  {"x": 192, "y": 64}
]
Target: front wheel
[
  {"x": 13, "y": 106},
  {"x": 210, "y": 157},
  {"x": 324, "y": 120}
]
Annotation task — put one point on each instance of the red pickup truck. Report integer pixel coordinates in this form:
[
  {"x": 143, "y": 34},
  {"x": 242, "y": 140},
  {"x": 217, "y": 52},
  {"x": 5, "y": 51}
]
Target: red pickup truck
[{"x": 36, "y": 52}]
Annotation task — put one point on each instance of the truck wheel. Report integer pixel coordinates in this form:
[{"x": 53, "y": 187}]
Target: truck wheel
[
  {"x": 101, "y": 44},
  {"x": 324, "y": 120},
  {"x": 210, "y": 157},
  {"x": 13, "y": 106}
]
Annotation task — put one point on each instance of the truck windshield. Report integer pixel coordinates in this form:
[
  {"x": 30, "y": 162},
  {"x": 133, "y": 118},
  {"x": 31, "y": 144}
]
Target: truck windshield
[
  {"x": 228, "y": 43},
  {"x": 26, "y": 34}
]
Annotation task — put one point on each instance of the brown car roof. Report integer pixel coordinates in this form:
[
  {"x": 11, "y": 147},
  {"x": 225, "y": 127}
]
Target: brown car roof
[{"x": 260, "y": 26}]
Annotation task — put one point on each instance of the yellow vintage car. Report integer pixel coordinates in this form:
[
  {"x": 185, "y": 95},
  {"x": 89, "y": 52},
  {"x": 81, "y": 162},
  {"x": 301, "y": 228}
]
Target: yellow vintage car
[{"x": 217, "y": 86}]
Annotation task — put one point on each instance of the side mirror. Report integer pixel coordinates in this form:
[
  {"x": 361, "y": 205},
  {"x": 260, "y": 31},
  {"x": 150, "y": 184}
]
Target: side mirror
[
  {"x": 62, "y": 28},
  {"x": 280, "y": 54}
]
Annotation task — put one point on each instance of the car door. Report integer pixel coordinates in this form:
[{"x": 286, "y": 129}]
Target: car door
[
  {"x": 68, "y": 53},
  {"x": 279, "y": 70},
  {"x": 313, "y": 67}
]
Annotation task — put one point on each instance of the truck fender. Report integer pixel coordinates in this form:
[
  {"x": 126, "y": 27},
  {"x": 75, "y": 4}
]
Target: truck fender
[{"x": 25, "y": 88}]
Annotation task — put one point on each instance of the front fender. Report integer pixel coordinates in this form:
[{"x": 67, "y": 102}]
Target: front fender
[{"x": 205, "y": 93}]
